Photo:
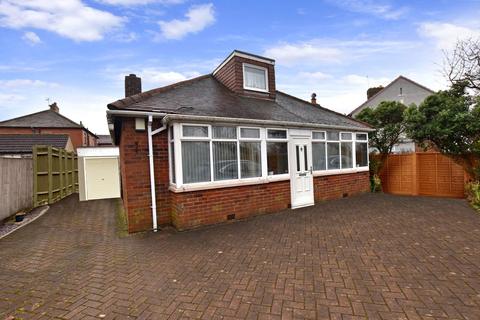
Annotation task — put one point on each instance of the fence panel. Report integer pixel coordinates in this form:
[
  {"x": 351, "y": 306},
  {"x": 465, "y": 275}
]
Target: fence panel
[
  {"x": 16, "y": 191},
  {"x": 55, "y": 174},
  {"x": 431, "y": 174}
]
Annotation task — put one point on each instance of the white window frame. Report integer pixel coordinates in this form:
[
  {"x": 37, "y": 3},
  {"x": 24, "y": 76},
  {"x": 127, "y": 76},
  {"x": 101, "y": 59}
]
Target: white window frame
[
  {"x": 352, "y": 141},
  {"x": 355, "y": 149},
  {"x": 171, "y": 168},
  {"x": 265, "y": 70},
  {"x": 281, "y": 176}
]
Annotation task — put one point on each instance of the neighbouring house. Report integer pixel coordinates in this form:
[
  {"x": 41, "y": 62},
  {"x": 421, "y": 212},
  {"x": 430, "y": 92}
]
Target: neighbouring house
[
  {"x": 21, "y": 145},
  {"x": 104, "y": 140},
  {"x": 228, "y": 145},
  {"x": 402, "y": 90},
  {"x": 49, "y": 121}
]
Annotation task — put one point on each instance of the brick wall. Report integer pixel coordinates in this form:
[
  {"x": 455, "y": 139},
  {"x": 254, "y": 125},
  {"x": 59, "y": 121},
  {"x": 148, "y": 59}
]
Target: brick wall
[
  {"x": 136, "y": 176},
  {"x": 231, "y": 75},
  {"x": 76, "y": 134},
  {"x": 186, "y": 210}
]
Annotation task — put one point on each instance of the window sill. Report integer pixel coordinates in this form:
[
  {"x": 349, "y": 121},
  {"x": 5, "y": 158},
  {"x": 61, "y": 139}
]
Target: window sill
[
  {"x": 256, "y": 90},
  {"x": 339, "y": 171}
]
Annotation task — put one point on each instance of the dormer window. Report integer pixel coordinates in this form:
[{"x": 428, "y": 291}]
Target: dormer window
[{"x": 255, "y": 78}]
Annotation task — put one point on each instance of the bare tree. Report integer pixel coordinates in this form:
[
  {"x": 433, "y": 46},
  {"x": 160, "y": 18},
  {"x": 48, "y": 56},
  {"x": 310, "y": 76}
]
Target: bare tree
[{"x": 462, "y": 64}]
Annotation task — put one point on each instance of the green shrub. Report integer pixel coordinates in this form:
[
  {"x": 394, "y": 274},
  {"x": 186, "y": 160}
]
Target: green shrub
[
  {"x": 375, "y": 183},
  {"x": 472, "y": 190}
]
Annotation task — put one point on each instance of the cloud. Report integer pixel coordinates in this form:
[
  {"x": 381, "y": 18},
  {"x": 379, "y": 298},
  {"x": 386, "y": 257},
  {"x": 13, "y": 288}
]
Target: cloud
[
  {"x": 31, "y": 38},
  {"x": 15, "y": 83},
  {"x": 138, "y": 2},
  {"x": 158, "y": 78},
  {"x": 197, "y": 18},
  {"x": 327, "y": 51},
  {"x": 314, "y": 76},
  {"x": 69, "y": 18},
  {"x": 290, "y": 54},
  {"x": 380, "y": 9},
  {"x": 446, "y": 35},
  {"x": 10, "y": 99}
]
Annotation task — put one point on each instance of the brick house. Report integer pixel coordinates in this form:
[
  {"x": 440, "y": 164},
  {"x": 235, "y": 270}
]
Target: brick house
[
  {"x": 50, "y": 121},
  {"x": 228, "y": 145}
]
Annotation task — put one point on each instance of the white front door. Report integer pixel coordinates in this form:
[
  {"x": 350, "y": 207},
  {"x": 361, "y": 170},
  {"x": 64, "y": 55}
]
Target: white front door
[{"x": 301, "y": 174}]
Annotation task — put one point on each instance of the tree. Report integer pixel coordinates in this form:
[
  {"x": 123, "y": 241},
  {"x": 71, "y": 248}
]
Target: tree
[
  {"x": 388, "y": 120},
  {"x": 462, "y": 64},
  {"x": 450, "y": 121}
]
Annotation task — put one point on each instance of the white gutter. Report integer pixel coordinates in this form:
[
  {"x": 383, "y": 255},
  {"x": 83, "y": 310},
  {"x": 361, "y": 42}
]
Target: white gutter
[
  {"x": 152, "y": 169},
  {"x": 179, "y": 117},
  {"x": 132, "y": 113}
]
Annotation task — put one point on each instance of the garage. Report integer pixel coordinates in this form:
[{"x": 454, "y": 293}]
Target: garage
[{"x": 98, "y": 173}]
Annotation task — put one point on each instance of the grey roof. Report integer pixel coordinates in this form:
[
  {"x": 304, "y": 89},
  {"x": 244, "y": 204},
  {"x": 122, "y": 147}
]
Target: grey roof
[
  {"x": 23, "y": 143},
  {"x": 104, "y": 139},
  {"x": 205, "y": 96},
  {"x": 42, "y": 119}
]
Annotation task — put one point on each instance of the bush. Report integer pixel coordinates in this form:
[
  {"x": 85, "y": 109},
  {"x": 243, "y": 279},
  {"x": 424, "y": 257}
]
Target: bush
[
  {"x": 472, "y": 190},
  {"x": 375, "y": 183}
]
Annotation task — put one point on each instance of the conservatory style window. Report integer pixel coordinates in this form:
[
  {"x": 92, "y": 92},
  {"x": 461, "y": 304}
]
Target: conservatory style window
[
  {"x": 195, "y": 154},
  {"x": 277, "y": 151},
  {"x": 333, "y": 150}
]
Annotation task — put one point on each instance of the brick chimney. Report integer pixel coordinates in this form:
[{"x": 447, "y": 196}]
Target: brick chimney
[
  {"x": 54, "y": 107},
  {"x": 133, "y": 85},
  {"x": 314, "y": 98}
]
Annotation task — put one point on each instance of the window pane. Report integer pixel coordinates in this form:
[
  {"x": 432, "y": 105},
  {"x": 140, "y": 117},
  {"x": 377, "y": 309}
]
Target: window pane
[
  {"x": 305, "y": 152},
  {"x": 171, "y": 132},
  {"x": 196, "y": 161},
  {"x": 318, "y": 156},
  {"x": 172, "y": 161},
  {"x": 361, "y": 136},
  {"x": 347, "y": 160},
  {"x": 255, "y": 78},
  {"x": 346, "y": 136},
  {"x": 277, "y": 158},
  {"x": 361, "y": 154},
  {"x": 277, "y": 134},
  {"x": 333, "y": 155},
  {"x": 332, "y": 135},
  {"x": 318, "y": 135},
  {"x": 195, "y": 131},
  {"x": 225, "y": 161},
  {"x": 297, "y": 156},
  {"x": 250, "y": 133},
  {"x": 250, "y": 160},
  {"x": 224, "y": 132}
]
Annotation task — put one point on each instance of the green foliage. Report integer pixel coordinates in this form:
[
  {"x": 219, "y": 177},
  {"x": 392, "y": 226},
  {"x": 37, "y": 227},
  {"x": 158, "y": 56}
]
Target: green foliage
[
  {"x": 472, "y": 190},
  {"x": 388, "y": 120},
  {"x": 375, "y": 183},
  {"x": 450, "y": 120}
]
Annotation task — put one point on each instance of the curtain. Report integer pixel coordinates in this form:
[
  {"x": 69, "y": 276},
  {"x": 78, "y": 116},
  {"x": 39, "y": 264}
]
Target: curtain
[
  {"x": 250, "y": 160},
  {"x": 196, "y": 161},
  {"x": 225, "y": 161},
  {"x": 255, "y": 78}
]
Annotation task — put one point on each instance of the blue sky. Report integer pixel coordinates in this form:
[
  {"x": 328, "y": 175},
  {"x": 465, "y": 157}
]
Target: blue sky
[{"x": 76, "y": 52}]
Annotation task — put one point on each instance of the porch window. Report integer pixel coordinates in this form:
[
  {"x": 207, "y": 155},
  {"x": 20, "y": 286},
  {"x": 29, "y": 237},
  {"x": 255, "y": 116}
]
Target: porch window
[
  {"x": 346, "y": 150},
  {"x": 319, "y": 150},
  {"x": 361, "y": 149},
  {"x": 333, "y": 150},
  {"x": 250, "y": 153},
  {"x": 277, "y": 151}
]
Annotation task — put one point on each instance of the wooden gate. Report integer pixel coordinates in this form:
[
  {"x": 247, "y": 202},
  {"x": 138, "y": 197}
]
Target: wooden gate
[
  {"x": 430, "y": 174},
  {"x": 55, "y": 174}
]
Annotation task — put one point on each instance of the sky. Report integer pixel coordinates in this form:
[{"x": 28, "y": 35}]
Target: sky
[{"x": 77, "y": 52}]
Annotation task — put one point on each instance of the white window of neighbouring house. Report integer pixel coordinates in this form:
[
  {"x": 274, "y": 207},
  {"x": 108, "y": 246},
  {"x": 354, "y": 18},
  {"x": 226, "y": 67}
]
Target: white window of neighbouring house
[
  {"x": 255, "y": 78},
  {"x": 277, "y": 151},
  {"x": 361, "y": 149},
  {"x": 319, "y": 150}
]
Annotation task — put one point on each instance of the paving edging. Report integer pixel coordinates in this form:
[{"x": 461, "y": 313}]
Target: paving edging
[{"x": 19, "y": 226}]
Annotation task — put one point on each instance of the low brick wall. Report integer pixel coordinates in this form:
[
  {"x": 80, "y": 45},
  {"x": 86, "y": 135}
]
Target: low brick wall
[{"x": 186, "y": 210}]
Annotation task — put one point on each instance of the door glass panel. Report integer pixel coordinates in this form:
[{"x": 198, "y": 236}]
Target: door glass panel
[
  {"x": 297, "y": 153},
  {"x": 305, "y": 158}
]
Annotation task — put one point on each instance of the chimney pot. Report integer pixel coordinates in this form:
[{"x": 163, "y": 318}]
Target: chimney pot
[
  {"x": 133, "y": 85},
  {"x": 314, "y": 98},
  {"x": 54, "y": 107}
]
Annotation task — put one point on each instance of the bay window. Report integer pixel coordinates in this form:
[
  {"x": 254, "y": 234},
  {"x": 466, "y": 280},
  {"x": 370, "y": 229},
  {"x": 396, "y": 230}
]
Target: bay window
[
  {"x": 250, "y": 153},
  {"x": 277, "y": 151},
  {"x": 346, "y": 150}
]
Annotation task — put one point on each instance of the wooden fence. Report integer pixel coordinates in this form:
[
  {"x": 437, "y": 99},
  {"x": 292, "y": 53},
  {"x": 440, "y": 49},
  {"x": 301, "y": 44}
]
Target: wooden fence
[
  {"x": 55, "y": 174},
  {"x": 16, "y": 178},
  {"x": 431, "y": 174}
]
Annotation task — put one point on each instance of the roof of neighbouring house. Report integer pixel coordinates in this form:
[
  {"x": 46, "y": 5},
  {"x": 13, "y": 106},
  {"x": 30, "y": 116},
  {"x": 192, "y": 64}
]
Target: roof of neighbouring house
[
  {"x": 23, "y": 143},
  {"x": 386, "y": 87},
  {"x": 206, "y": 96},
  {"x": 42, "y": 119},
  {"x": 104, "y": 139}
]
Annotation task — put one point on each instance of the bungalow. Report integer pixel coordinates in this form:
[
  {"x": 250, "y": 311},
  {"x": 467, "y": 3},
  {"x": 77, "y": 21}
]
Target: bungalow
[{"x": 228, "y": 145}]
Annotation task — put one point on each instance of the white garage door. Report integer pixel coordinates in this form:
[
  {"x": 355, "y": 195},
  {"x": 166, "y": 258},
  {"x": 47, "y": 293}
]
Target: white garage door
[{"x": 102, "y": 179}]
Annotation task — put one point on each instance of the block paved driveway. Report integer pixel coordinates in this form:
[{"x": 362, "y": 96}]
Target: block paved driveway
[{"x": 365, "y": 257}]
